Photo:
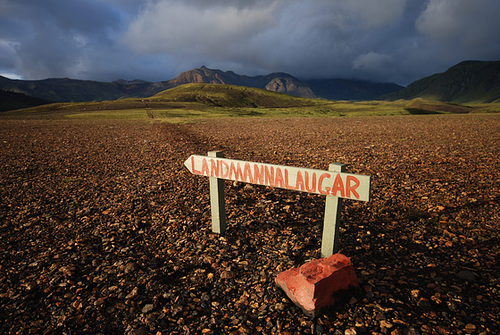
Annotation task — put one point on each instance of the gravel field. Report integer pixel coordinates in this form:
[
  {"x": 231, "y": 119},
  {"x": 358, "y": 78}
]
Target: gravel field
[{"x": 104, "y": 231}]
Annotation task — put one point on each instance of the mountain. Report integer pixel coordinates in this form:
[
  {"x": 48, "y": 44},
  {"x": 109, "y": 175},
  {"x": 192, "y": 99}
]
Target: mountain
[
  {"x": 71, "y": 90},
  {"x": 346, "y": 89},
  {"x": 12, "y": 101},
  {"x": 277, "y": 82},
  {"x": 466, "y": 82}
]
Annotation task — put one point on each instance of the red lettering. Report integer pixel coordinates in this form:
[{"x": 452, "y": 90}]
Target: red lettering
[
  {"x": 204, "y": 167},
  {"x": 192, "y": 164},
  {"x": 224, "y": 172},
  {"x": 269, "y": 172},
  {"x": 258, "y": 175},
  {"x": 236, "y": 172},
  {"x": 313, "y": 187},
  {"x": 338, "y": 185},
  {"x": 299, "y": 184},
  {"x": 214, "y": 168},
  {"x": 287, "y": 185},
  {"x": 279, "y": 182},
  {"x": 320, "y": 184},
  {"x": 247, "y": 173},
  {"x": 352, "y": 187}
]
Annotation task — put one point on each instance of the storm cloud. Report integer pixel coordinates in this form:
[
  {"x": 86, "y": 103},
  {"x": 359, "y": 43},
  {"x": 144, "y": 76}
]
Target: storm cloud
[{"x": 385, "y": 40}]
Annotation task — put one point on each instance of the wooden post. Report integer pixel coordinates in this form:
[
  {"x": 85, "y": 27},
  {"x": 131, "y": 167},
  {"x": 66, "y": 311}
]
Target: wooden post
[
  {"x": 333, "y": 206},
  {"x": 217, "y": 202}
]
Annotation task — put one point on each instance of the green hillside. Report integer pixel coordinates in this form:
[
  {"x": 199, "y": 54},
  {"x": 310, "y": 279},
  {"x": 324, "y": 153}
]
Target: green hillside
[
  {"x": 231, "y": 96},
  {"x": 466, "y": 82},
  {"x": 197, "y": 101}
]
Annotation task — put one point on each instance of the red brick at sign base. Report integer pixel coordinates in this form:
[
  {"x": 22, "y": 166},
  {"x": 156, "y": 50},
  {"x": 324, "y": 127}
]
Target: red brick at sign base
[{"x": 319, "y": 283}]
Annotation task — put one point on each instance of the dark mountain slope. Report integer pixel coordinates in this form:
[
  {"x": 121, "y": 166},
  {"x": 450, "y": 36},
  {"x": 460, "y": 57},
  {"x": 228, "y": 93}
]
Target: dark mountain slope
[
  {"x": 466, "y": 82},
  {"x": 346, "y": 89},
  {"x": 12, "y": 101},
  {"x": 68, "y": 90}
]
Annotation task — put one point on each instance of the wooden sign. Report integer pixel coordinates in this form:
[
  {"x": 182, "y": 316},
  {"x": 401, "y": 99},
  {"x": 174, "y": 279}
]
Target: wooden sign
[
  {"x": 337, "y": 184},
  {"x": 334, "y": 183}
]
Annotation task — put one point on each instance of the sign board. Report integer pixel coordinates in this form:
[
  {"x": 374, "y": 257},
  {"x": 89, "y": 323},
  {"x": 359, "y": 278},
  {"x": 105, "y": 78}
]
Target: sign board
[
  {"x": 337, "y": 184},
  {"x": 334, "y": 183}
]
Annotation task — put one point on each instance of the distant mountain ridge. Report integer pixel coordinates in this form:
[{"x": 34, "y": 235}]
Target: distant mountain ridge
[
  {"x": 72, "y": 90},
  {"x": 466, "y": 82}
]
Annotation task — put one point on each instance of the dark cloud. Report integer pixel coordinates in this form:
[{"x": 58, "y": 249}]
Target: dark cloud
[
  {"x": 56, "y": 38},
  {"x": 461, "y": 26},
  {"x": 385, "y": 40}
]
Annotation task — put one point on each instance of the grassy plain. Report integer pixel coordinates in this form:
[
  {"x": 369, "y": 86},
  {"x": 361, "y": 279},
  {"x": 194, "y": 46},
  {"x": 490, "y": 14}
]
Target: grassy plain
[{"x": 187, "y": 103}]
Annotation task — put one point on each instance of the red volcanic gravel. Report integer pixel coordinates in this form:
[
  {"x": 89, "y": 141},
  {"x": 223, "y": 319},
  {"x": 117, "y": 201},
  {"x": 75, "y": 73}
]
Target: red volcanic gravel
[{"x": 103, "y": 230}]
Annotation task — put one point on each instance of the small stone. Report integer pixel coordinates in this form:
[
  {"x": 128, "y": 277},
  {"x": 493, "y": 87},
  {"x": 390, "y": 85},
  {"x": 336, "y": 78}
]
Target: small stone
[
  {"x": 100, "y": 301},
  {"x": 320, "y": 330},
  {"x": 227, "y": 274},
  {"x": 415, "y": 293},
  {"x": 68, "y": 271},
  {"x": 130, "y": 267},
  {"x": 467, "y": 275},
  {"x": 413, "y": 331},
  {"x": 470, "y": 328},
  {"x": 452, "y": 306},
  {"x": 424, "y": 304},
  {"x": 385, "y": 324},
  {"x": 442, "y": 331},
  {"x": 248, "y": 187},
  {"x": 133, "y": 293},
  {"x": 147, "y": 308},
  {"x": 280, "y": 306},
  {"x": 426, "y": 329},
  {"x": 140, "y": 331},
  {"x": 244, "y": 330}
]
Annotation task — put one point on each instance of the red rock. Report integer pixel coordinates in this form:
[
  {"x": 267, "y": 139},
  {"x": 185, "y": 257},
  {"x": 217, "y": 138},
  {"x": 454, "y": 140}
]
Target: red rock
[{"x": 318, "y": 284}]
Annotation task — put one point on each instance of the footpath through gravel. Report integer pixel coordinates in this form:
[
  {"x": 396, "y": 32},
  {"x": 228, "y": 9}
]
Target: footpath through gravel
[{"x": 103, "y": 230}]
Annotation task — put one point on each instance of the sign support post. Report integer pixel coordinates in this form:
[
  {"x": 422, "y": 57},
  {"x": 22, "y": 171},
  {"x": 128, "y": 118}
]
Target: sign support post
[
  {"x": 217, "y": 202},
  {"x": 333, "y": 206}
]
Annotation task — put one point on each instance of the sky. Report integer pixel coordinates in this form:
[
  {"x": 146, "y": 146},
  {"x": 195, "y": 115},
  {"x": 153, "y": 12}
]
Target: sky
[{"x": 395, "y": 41}]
